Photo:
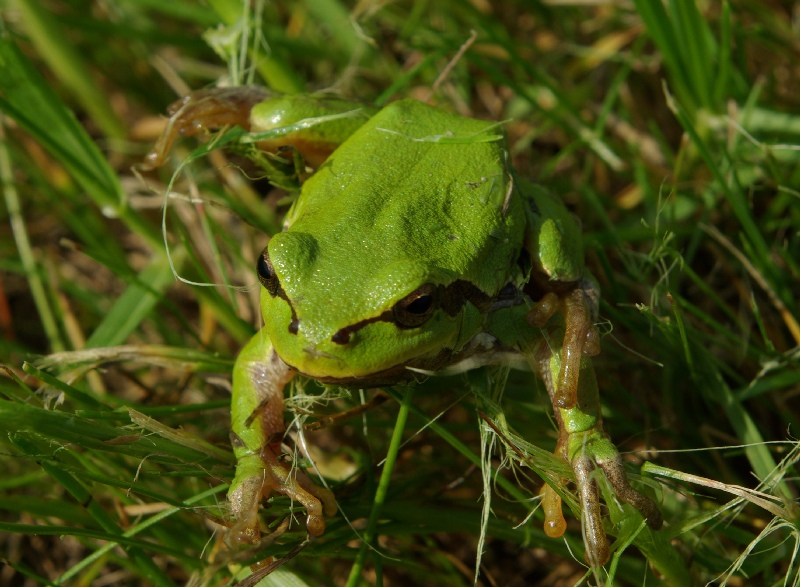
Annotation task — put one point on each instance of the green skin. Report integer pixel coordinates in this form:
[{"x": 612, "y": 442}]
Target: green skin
[{"x": 413, "y": 247}]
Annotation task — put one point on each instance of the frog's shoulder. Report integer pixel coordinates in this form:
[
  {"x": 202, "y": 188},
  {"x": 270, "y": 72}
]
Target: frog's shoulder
[{"x": 553, "y": 236}]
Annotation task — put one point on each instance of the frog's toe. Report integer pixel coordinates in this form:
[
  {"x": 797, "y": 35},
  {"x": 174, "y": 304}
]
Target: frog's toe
[
  {"x": 245, "y": 500},
  {"x": 541, "y": 312},
  {"x": 588, "y": 451},
  {"x": 317, "y": 500},
  {"x": 554, "y": 523},
  {"x": 615, "y": 473},
  {"x": 597, "y": 550},
  {"x": 581, "y": 339},
  {"x": 323, "y": 495},
  {"x": 262, "y": 475},
  {"x": 296, "y": 485}
]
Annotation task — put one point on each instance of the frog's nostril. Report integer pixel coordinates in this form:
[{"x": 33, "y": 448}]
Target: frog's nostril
[{"x": 294, "y": 325}]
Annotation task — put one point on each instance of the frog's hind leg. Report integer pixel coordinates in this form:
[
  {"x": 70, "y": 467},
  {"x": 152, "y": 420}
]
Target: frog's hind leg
[{"x": 259, "y": 379}]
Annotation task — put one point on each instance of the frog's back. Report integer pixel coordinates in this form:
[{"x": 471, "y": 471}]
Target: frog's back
[{"x": 415, "y": 190}]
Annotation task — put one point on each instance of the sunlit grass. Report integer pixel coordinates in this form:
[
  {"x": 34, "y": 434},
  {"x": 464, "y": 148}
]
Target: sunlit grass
[{"x": 670, "y": 128}]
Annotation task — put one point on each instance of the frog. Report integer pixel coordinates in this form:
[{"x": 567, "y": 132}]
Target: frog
[{"x": 413, "y": 249}]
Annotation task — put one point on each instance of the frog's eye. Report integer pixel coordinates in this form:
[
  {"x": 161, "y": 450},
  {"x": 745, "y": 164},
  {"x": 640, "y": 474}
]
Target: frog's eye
[
  {"x": 417, "y": 307},
  {"x": 266, "y": 274}
]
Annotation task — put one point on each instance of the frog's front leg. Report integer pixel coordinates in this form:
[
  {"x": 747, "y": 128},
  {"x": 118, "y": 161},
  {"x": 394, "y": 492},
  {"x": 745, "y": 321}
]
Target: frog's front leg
[
  {"x": 585, "y": 445},
  {"x": 259, "y": 379},
  {"x": 311, "y": 125},
  {"x": 205, "y": 111},
  {"x": 578, "y": 306}
]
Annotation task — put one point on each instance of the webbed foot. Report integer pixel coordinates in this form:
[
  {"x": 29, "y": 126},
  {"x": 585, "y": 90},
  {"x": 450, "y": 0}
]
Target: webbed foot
[{"x": 261, "y": 475}]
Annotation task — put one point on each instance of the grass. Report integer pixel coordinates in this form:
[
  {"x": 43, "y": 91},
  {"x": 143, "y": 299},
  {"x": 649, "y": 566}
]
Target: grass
[{"x": 671, "y": 129}]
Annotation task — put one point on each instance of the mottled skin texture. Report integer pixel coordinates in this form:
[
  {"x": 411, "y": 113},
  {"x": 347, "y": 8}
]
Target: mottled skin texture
[{"x": 413, "y": 245}]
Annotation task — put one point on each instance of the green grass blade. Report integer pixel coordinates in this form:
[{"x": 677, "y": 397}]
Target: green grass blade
[
  {"x": 277, "y": 73},
  {"x": 25, "y": 250},
  {"x": 83, "y": 496},
  {"x": 369, "y": 537},
  {"x": 68, "y": 66},
  {"x": 136, "y": 303},
  {"x": 27, "y": 98},
  {"x": 695, "y": 43}
]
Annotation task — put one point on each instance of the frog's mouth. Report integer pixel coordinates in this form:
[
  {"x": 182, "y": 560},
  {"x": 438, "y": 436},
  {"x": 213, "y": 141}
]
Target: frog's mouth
[
  {"x": 480, "y": 350},
  {"x": 407, "y": 371}
]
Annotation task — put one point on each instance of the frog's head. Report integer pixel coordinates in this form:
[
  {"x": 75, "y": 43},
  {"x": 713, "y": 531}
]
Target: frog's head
[
  {"x": 347, "y": 315},
  {"x": 394, "y": 249}
]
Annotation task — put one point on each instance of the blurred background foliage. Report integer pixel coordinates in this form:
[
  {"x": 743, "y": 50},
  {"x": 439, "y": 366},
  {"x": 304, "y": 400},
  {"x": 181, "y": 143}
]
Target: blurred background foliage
[{"x": 670, "y": 128}]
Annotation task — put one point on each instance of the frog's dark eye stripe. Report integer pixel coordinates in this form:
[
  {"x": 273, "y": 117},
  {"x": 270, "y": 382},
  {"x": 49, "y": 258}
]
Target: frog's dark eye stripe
[
  {"x": 459, "y": 293},
  {"x": 417, "y": 307},
  {"x": 266, "y": 274},
  {"x": 269, "y": 279},
  {"x": 420, "y": 305}
]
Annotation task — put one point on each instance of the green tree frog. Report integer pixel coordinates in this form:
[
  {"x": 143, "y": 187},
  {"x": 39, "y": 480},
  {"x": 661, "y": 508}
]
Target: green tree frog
[{"x": 413, "y": 248}]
